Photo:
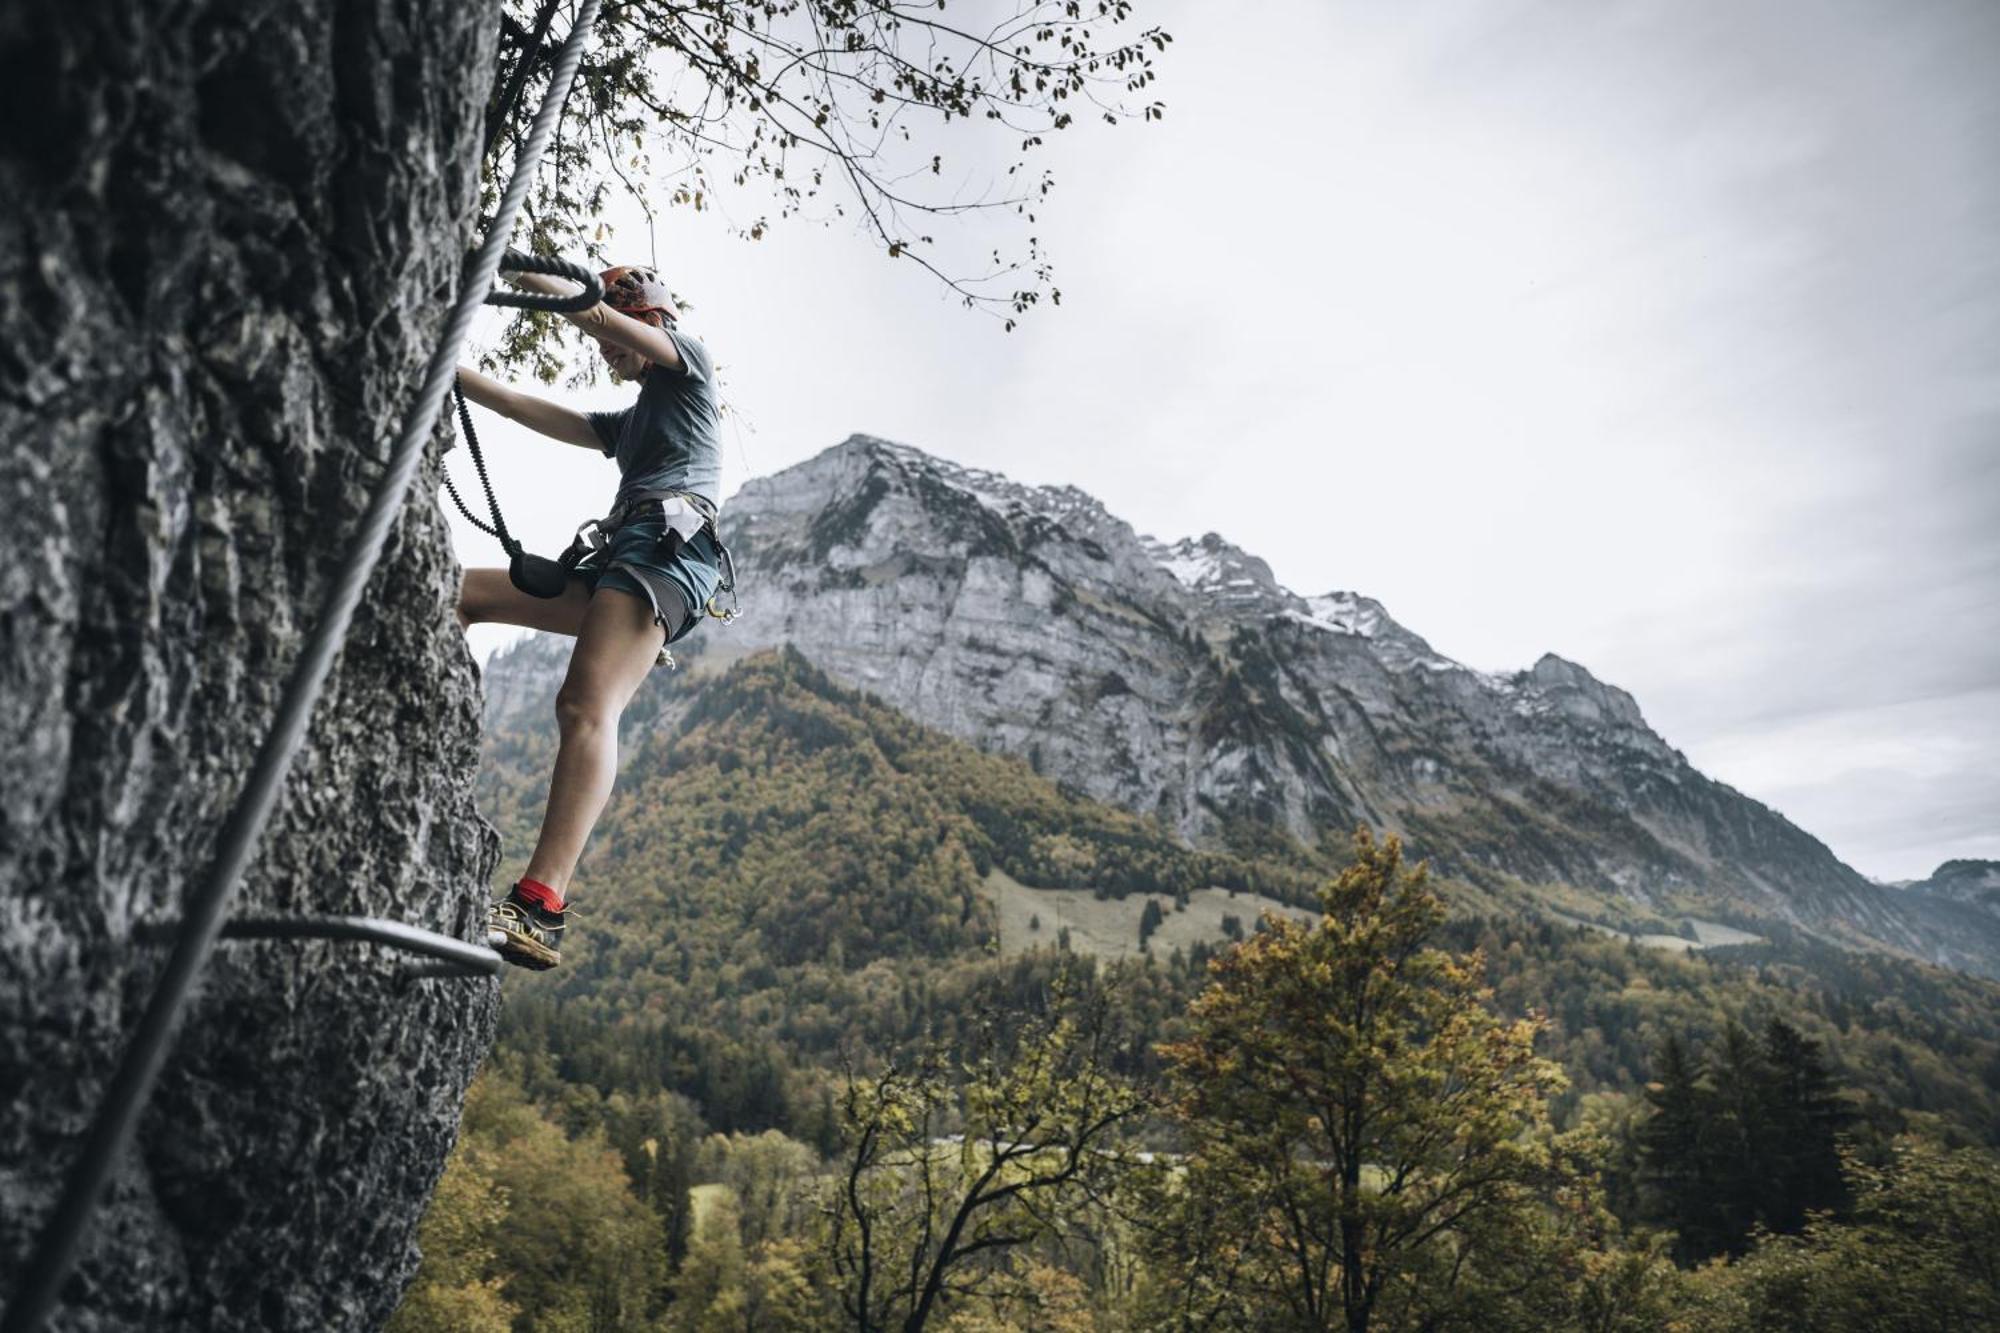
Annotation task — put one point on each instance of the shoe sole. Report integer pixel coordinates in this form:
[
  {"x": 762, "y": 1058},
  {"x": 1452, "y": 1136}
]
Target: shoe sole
[{"x": 522, "y": 951}]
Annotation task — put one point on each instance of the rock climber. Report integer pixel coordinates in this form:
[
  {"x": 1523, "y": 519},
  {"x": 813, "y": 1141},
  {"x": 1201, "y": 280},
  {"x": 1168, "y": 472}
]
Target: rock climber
[{"x": 642, "y": 577}]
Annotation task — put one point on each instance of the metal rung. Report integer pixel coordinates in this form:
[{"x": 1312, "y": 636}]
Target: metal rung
[{"x": 455, "y": 957}]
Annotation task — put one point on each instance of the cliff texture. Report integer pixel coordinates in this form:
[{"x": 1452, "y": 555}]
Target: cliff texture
[
  {"x": 229, "y": 234},
  {"x": 1182, "y": 680},
  {"x": 1969, "y": 884}
]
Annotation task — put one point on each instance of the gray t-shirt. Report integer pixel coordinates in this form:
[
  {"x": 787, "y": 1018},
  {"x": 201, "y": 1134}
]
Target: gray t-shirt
[{"x": 670, "y": 440}]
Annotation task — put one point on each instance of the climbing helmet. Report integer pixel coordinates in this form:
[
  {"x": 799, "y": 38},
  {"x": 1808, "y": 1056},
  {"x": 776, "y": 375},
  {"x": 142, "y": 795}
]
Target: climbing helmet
[{"x": 633, "y": 289}]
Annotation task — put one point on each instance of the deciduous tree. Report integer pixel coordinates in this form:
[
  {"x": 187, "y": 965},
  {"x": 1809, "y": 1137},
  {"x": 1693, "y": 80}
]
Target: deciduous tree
[
  {"x": 923, "y": 1221},
  {"x": 1366, "y": 1139},
  {"x": 897, "y": 116}
]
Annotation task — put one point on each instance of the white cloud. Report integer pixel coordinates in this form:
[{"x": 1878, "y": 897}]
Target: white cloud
[{"x": 1893, "y": 790}]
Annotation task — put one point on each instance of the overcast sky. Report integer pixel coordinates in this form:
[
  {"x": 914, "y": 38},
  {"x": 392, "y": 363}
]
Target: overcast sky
[{"x": 1663, "y": 336}]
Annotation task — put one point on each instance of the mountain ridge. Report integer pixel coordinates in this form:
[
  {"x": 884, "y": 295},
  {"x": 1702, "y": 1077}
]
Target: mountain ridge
[
  {"x": 1181, "y": 680},
  {"x": 1971, "y": 883}
]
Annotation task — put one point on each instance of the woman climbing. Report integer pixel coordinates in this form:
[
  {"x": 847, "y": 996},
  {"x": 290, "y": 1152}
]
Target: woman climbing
[{"x": 643, "y": 579}]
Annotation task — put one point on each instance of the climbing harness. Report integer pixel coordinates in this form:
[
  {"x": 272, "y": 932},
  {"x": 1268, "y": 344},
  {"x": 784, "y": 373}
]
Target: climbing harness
[
  {"x": 685, "y": 516},
  {"x": 48, "y": 1267}
]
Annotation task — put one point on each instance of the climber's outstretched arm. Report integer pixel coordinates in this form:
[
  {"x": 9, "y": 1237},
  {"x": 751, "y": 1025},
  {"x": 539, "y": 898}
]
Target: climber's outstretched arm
[
  {"x": 537, "y": 414},
  {"x": 602, "y": 322}
]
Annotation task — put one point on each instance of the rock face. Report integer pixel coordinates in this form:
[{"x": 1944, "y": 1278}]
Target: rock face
[
  {"x": 229, "y": 234},
  {"x": 1973, "y": 884},
  {"x": 1181, "y": 680}
]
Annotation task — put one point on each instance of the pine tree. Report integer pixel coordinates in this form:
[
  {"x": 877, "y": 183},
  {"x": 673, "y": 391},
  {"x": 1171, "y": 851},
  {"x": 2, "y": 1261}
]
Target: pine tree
[
  {"x": 1735, "y": 1157},
  {"x": 1754, "y": 1141},
  {"x": 1804, "y": 1117},
  {"x": 1921, "y": 1253},
  {"x": 1673, "y": 1152},
  {"x": 671, "y": 1194}
]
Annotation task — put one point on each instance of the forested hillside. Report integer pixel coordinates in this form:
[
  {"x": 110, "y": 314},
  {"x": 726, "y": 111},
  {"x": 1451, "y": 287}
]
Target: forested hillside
[
  {"x": 785, "y": 952},
  {"x": 791, "y": 870}
]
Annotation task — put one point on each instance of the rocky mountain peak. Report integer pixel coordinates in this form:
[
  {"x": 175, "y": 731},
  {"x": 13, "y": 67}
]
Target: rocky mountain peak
[
  {"x": 1582, "y": 696},
  {"x": 1208, "y": 563},
  {"x": 864, "y": 501},
  {"x": 1053, "y": 565},
  {"x": 1350, "y": 613},
  {"x": 923, "y": 474},
  {"x": 1182, "y": 680},
  {"x": 1219, "y": 572}
]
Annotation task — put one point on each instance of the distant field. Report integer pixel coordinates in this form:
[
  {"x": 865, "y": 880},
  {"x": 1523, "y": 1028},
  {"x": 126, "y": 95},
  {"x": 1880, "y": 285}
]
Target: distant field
[
  {"x": 1109, "y": 928},
  {"x": 704, "y": 1198},
  {"x": 1708, "y": 934}
]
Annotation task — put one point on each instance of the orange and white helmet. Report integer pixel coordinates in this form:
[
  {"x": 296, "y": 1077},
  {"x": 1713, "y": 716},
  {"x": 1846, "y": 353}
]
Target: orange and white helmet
[{"x": 633, "y": 289}]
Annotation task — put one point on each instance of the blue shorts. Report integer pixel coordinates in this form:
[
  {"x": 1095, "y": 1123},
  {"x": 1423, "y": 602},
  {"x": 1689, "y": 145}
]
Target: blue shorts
[{"x": 677, "y": 587}]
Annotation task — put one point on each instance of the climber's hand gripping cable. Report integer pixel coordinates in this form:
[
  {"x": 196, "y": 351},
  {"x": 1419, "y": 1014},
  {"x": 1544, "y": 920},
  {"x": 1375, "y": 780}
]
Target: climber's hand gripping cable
[{"x": 606, "y": 324}]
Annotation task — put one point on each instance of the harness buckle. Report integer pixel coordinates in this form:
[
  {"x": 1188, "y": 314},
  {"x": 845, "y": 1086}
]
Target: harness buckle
[{"x": 590, "y": 540}]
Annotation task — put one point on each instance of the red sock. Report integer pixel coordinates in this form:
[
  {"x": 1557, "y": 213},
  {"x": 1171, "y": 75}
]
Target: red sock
[{"x": 540, "y": 894}]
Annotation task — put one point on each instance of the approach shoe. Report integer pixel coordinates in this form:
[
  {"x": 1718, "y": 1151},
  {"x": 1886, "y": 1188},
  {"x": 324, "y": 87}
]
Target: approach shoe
[{"x": 530, "y": 936}]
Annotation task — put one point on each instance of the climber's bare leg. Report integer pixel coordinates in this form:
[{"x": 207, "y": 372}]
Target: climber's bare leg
[
  {"x": 615, "y": 648},
  {"x": 489, "y": 597}
]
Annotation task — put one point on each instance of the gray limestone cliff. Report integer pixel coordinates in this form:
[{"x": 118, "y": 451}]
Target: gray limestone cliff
[
  {"x": 229, "y": 235},
  {"x": 1967, "y": 883},
  {"x": 1181, "y": 680}
]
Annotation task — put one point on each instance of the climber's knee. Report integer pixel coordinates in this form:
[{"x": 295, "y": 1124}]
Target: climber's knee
[{"x": 579, "y": 708}]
